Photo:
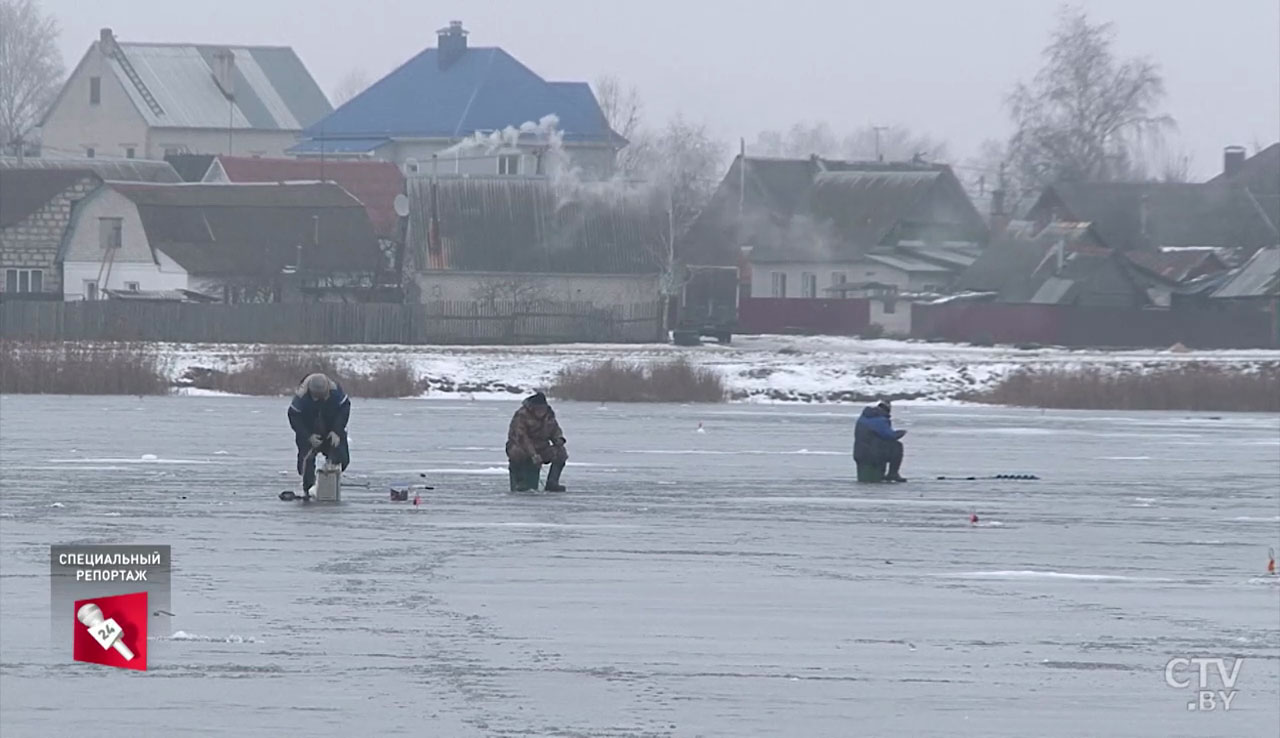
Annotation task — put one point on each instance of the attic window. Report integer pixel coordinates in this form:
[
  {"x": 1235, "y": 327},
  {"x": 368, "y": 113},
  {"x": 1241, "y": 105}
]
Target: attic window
[{"x": 95, "y": 90}]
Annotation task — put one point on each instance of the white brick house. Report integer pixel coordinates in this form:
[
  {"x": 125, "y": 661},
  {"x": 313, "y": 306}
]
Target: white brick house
[{"x": 35, "y": 210}]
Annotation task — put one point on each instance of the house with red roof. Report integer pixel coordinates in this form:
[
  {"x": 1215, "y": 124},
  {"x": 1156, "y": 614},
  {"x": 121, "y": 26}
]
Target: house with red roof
[{"x": 376, "y": 184}]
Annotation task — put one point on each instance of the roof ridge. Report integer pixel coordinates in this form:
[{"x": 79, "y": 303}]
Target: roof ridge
[{"x": 193, "y": 44}]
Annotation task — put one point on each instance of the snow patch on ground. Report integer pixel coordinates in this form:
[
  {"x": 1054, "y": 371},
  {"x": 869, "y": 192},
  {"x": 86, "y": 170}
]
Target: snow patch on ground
[{"x": 755, "y": 368}]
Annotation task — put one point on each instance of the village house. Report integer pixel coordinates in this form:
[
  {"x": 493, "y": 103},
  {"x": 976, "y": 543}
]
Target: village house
[
  {"x": 236, "y": 243},
  {"x": 496, "y": 239},
  {"x": 428, "y": 115},
  {"x": 1254, "y": 286},
  {"x": 148, "y": 100},
  {"x": 375, "y": 184},
  {"x": 35, "y": 209},
  {"x": 1224, "y": 212},
  {"x": 807, "y": 231}
]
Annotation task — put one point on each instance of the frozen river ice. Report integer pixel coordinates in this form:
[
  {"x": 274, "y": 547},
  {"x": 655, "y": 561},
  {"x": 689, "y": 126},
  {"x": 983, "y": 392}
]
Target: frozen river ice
[{"x": 733, "y": 582}]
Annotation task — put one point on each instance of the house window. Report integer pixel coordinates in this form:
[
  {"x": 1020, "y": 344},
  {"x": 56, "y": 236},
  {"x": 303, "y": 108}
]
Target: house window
[
  {"x": 129, "y": 152},
  {"x": 89, "y": 152},
  {"x": 172, "y": 151},
  {"x": 91, "y": 289},
  {"x": 838, "y": 279},
  {"x": 779, "y": 284},
  {"x": 110, "y": 232},
  {"x": 509, "y": 164},
  {"x": 890, "y": 306},
  {"x": 809, "y": 285},
  {"x": 95, "y": 90},
  {"x": 132, "y": 286},
  {"x": 24, "y": 280}
]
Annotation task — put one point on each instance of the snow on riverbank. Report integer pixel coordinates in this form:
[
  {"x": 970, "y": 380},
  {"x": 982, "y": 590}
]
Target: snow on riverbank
[{"x": 755, "y": 368}]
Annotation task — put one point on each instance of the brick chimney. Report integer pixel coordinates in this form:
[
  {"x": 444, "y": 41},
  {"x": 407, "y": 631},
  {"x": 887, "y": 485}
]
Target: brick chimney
[
  {"x": 451, "y": 44},
  {"x": 106, "y": 41},
  {"x": 999, "y": 220},
  {"x": 1232, "y": 160}
]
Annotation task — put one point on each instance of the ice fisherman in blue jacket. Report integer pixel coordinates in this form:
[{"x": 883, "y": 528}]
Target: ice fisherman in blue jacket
[
  {"x": 318, "y": 416},
  {"x": 876, "y": 442}
]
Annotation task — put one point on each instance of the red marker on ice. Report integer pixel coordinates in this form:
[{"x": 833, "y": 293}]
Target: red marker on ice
[
  {"x": 416, "y": 500},
  {"x": 1271, "y": 561},
  {"x": 973, "y": 518}
]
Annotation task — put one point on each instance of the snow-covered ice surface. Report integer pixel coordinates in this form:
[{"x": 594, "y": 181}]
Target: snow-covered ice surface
[
  {"x": 720, "y": 593},
  {"x": 760, "y": 368}
]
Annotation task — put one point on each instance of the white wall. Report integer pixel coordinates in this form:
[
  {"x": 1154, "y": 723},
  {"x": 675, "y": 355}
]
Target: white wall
[
  {"x": 73, "y": 125},
  {"x": 897, "y": 323},
  {"x": 243, "y": 142},
  {"x": 600, "y": 289},
  {"x": 594, "y": 161},
  {"x": 855, "y": 272},
  {"x": 132, "y": 262}
]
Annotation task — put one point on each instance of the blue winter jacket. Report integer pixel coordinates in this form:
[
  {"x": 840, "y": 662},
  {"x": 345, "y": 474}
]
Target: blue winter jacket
[
  {"x": 308, "y": 415},
  {"x": 873, "y": 427}
]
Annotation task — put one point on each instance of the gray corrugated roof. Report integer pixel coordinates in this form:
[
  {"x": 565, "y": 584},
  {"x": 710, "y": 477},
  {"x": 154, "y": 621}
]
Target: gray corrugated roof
[
  {"x": 1053, "y": 291},
  {"x": 271, "y": 88},
  {"x": 118, "y": 170},
  {"x": 908, "y": 264},
  {"x": 1259, "y": 277},
  {"x": 526, "y": 224}
]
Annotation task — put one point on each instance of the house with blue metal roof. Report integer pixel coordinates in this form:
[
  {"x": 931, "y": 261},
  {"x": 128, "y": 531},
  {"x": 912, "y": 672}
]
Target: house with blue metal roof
[
  {"x": 128, "y": 100},
  {"x": 457, "y": 109}
]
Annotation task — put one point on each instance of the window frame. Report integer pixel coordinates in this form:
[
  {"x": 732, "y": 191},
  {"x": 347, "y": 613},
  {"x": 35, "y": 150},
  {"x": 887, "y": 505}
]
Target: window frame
[
  {"x": 512, "y": 162},
  {"x": 116, "y": 238},
  {"x": 95, "y": 90}
]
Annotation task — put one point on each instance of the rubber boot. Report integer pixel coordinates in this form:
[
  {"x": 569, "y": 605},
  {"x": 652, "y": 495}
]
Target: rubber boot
[
  {"x": 893, "y": 475},
  {"x": 519, "y": 472},
  {"x": 553, "y": 478}
]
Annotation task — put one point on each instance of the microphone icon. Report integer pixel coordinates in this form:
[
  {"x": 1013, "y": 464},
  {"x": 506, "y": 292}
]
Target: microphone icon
[{"x": 106, "y": 632}]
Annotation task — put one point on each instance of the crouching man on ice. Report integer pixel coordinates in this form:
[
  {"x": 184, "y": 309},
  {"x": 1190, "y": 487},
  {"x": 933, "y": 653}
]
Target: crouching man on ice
[
  {"x": 318, "y": 416},
  {"x": 876, "y": 443},
  {"x": 534, "y": 439}
]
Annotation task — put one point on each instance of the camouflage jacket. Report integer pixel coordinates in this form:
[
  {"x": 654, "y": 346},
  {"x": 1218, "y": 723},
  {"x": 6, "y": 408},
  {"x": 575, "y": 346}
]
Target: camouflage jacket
[{"x": 530, "y": 433}]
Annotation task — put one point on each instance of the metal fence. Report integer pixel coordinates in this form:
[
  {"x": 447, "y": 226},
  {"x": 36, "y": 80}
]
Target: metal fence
[{"x": 444, "y": 322}]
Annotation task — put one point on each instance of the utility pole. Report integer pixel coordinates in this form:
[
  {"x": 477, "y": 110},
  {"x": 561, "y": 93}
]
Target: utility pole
[{"x": 742, "y": 176}]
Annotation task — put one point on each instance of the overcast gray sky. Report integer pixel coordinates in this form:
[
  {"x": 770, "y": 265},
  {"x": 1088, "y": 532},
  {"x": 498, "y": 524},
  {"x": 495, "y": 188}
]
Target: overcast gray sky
[{"x": 940, "y": 67}]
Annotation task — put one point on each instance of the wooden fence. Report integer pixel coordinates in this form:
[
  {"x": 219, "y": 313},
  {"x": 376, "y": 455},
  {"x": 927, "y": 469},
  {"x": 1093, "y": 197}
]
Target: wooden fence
[{"x": 446, "y": 322}]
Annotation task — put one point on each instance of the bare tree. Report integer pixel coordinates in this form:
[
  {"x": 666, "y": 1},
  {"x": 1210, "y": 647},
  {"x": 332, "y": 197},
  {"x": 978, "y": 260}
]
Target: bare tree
[
  {"x": 684, "y": 161},
  {"x": 30, "y": 67},
  {"x": 1086, "y": 113},
  {"x": 623, "y": 111},
  {"x": 352, "y": 84},
  {"x": 892, "y": 143}
]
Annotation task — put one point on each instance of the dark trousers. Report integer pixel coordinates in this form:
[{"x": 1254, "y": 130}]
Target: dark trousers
[
  {"x": 882, "y": 451},
  {"x": 891, "y": 451},
  {"x": 307, "y": 460}
]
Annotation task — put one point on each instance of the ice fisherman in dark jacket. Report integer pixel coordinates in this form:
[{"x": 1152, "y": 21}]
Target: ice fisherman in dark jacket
[
  {"x": 318, "y": 416},
  {"x": 876, "y": 442}
]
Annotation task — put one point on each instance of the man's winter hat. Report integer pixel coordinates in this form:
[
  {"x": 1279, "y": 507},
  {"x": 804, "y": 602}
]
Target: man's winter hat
[
  {"x": 885, "y": 404},
  {"x": 537, "y": 398},
  {"x": 317, "y": 384}
]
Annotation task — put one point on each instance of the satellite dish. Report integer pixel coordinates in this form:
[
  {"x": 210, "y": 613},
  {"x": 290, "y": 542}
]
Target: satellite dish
[{"x": 401, "y": 205}]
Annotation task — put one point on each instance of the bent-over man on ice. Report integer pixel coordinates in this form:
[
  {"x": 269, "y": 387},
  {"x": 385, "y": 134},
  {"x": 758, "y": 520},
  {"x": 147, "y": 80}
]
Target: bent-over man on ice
[
  {"x": 535, "y": 438},
  {"x": 318, "y": 416},
  {"x": 875, "y": 441}
]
